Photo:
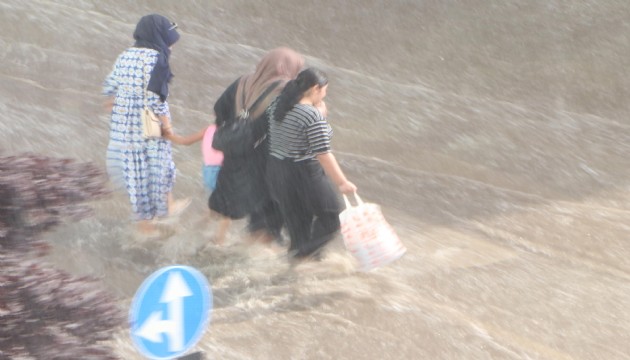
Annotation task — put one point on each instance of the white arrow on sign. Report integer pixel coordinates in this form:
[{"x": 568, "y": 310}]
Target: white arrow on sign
[{"x": 175, "y": 290}]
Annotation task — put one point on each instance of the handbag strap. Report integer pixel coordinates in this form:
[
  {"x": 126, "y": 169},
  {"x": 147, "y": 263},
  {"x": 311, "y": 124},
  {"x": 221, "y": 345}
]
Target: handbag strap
[
  {"x": 245, "y": 112},
  {"x": 145, "y": 83},
  {"x": 347, "y": 201},
  {"x": 145, "y": 98}
]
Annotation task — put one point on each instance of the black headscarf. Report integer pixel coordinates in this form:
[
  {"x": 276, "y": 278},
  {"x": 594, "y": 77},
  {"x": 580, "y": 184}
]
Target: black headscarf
[{"x": 158, "y": 33}]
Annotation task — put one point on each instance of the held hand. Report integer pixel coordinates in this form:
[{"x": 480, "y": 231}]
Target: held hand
[
  {"x": 174, "y": 138},
  {"x": 183, "y": 140},
  {"x": 347, "y": 188},
  {"x": 167, "y": 131}
]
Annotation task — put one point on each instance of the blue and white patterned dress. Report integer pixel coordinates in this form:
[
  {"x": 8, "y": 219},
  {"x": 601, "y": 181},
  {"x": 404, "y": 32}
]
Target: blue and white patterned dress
[{"x": 144, "y": 167}]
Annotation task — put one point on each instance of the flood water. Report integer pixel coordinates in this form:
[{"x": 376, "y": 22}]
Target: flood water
[{"x": 494, "y": 134}]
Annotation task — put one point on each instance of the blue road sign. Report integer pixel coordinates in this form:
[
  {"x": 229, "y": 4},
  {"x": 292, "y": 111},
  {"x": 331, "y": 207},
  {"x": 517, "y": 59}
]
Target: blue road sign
[{"x": 170, "y": 312}]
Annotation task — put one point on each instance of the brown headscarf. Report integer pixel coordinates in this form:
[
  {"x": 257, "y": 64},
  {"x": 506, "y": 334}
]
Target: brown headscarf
[{"x": 280, "y": 64}]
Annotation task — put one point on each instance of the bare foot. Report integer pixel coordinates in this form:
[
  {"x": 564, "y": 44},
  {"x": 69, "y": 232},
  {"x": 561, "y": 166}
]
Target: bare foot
[
  {"x": 209, "y": 245},
  {"x": 146, "y": 227},
  {"x": 177, "y": 207},
  {"x": 144, "y": 232}
]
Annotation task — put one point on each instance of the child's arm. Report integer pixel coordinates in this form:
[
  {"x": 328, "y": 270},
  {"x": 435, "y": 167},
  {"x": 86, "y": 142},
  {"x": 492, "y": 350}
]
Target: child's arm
[{"x": 183, "y": 140}]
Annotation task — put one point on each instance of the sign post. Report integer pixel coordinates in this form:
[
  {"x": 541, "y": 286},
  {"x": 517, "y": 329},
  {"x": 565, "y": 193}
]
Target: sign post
[{"x": 170, "y": 312}]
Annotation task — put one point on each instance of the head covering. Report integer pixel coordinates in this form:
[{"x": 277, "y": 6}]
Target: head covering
[
  {"x": 157, "y": 32},
  {"x": 281, "y": 64}
]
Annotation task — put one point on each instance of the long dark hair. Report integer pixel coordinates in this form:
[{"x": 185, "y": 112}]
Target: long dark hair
[{"x": 294, "y": 90}]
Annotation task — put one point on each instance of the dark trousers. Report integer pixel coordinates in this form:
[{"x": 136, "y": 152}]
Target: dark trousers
[{"x": 307, "y": 201}]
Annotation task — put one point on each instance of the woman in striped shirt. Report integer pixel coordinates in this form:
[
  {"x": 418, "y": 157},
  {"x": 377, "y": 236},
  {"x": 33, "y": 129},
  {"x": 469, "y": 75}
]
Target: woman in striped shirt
[{"x": 301, "y": 164}]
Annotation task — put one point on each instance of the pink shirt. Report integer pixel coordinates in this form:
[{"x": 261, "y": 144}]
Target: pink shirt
[{"x": 211, "y": 156}]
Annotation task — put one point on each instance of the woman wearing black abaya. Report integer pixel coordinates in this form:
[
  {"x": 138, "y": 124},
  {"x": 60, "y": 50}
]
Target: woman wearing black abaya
[{"x": 241, "y": 190}]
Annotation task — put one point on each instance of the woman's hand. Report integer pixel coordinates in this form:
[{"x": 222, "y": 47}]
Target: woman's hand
[
  {"x": 332, "y": 169},
  {"x": 347, "y": 188},
  {"x": 167, "y": 128}
]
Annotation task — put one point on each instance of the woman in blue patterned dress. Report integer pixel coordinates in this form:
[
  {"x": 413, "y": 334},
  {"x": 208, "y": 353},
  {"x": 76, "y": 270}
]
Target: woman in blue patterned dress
[{"x": 144, "y": 167}]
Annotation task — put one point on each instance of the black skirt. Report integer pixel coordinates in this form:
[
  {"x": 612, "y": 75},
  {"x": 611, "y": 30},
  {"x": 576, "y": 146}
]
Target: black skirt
[
  {"x": 241, "y": 188},
  {"x": 307, "y": 200}
]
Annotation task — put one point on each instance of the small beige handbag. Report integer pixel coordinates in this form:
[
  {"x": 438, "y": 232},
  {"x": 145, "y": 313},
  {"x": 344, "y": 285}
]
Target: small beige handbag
[
  {"x": 150, "y": 124},
  {"x": 151, "y": 127}
]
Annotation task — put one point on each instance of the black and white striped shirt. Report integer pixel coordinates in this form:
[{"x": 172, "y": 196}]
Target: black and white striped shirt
[{"x": 301, "y": 135}]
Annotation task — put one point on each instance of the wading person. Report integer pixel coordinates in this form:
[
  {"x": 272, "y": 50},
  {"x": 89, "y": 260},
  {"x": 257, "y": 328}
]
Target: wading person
[
  {"x": 144, "y": 167},
  {"x": 302, "y": 169},
  {"x": 240, "y": 189}
]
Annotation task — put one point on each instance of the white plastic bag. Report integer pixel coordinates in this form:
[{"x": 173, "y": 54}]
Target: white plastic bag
[{"x": 368, "y": 236}]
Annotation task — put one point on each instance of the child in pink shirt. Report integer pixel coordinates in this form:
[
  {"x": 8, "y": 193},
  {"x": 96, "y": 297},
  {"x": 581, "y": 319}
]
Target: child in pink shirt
[{"x": 212, "y": 159}]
